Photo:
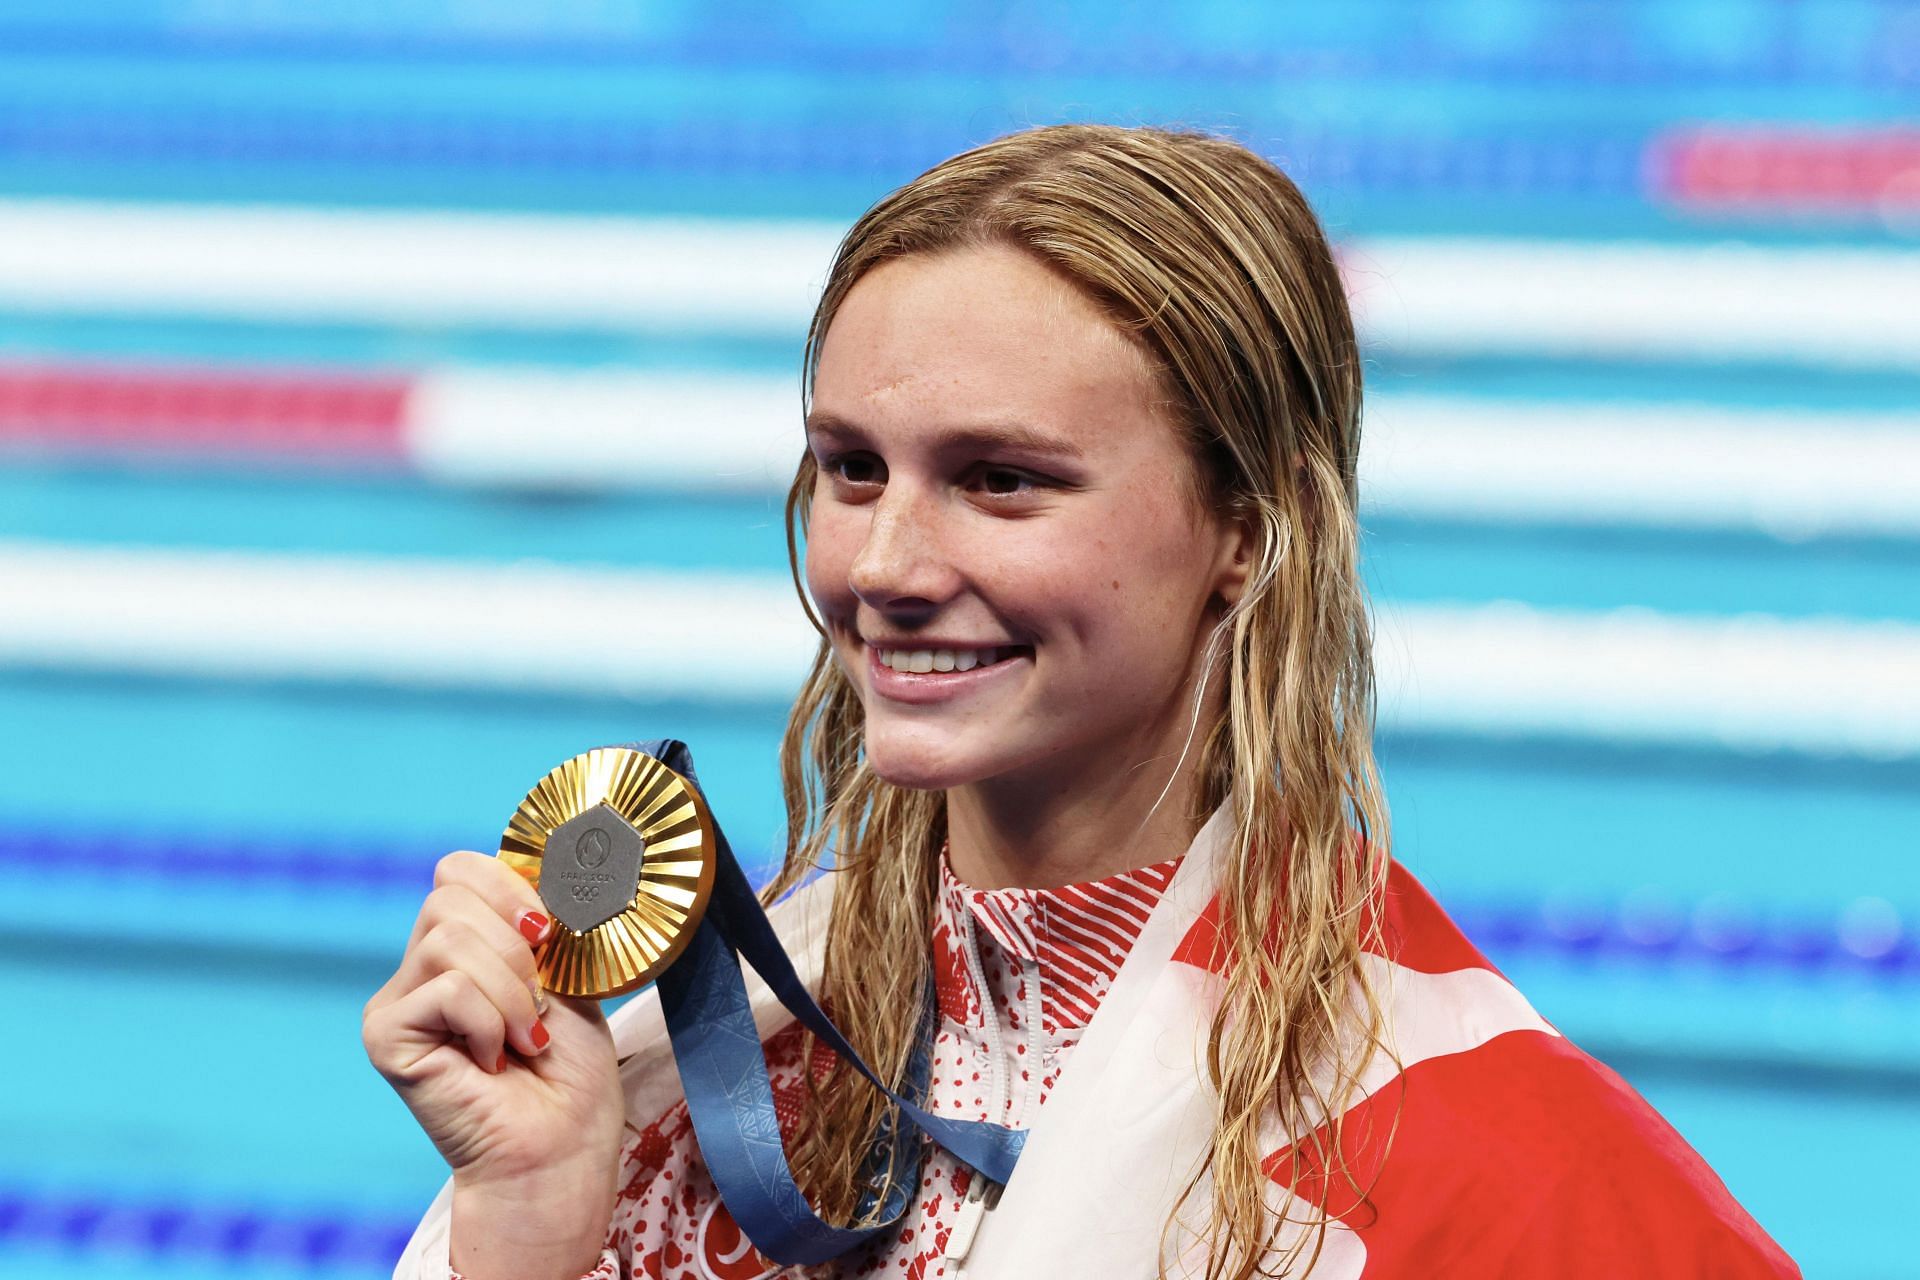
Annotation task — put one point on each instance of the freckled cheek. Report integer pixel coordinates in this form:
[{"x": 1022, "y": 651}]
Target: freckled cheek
[
  {"x": 1128, "y": 597},
  {"x": 1044, "y": 595}
]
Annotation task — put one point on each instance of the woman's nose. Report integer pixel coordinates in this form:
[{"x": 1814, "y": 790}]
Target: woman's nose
[{"x": 902, "y": 562}]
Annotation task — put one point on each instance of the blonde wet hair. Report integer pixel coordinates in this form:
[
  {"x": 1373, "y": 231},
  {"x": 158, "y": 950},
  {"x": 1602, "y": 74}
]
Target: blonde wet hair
[{"x": 1212, "y": 262}]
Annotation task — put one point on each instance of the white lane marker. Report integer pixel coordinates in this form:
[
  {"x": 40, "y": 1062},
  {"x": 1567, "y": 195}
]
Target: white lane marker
[
  {"x": 1753, "y": 682},
  {"x": 539, "y": 429},
  {"x": 1811, "y": 304},
  {"x": 530, "y": 625},
  {"x": 1780, "y": 471},
  {"x": 1791, "y": 473},
  {"x": 1797, "y": 304},
  {"x": 406, "y": 267},
  {"x": 1822, "y": 685}
]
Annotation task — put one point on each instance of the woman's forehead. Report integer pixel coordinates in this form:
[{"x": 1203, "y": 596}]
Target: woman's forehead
[{"x": 984, "y": 335}]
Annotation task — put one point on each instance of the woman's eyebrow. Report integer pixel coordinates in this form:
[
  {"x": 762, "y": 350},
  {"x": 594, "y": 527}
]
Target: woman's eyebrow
[
  {"x": 1018, "y": 436},
  {"x": 825, "y": 424}
]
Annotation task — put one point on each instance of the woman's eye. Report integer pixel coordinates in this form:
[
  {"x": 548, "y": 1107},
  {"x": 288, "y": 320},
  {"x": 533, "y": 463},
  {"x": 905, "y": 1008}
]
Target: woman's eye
[
  {"x": 855, "y": 468},
  {"x": 1002, "y": 483}
]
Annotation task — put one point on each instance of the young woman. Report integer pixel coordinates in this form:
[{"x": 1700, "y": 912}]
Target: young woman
[{"x": 1087, "y": 740}]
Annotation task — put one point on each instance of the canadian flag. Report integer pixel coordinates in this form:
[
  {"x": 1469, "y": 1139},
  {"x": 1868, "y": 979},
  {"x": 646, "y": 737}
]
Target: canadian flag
[{"x": 1477, "y": 1141}]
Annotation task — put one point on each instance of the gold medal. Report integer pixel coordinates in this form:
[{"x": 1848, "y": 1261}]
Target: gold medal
[{"x": 622, "y": 851}]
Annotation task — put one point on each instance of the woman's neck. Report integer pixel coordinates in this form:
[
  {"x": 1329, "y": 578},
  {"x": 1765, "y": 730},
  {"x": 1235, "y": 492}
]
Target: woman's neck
[{"x": 1041, "y": 835}]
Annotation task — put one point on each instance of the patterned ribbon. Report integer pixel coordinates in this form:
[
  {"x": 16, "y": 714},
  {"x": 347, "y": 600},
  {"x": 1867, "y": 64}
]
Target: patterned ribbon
[{"x": 730, "y": 1099}]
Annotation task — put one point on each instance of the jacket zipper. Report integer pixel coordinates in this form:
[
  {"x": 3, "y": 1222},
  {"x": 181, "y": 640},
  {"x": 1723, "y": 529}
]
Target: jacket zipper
[{"x": 982, "y": 1192}]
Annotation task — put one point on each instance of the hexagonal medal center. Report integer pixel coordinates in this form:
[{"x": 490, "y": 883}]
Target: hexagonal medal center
[{"x": 591, "y": 868}]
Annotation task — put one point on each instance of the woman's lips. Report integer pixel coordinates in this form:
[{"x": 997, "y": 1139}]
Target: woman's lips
[{"x": 938, "y": 686}]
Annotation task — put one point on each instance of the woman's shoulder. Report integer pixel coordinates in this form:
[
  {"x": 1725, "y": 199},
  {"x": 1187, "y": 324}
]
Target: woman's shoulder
[
  {"x": 1483, "y": 1137},
  {"x": 1524, "y": 1155}
]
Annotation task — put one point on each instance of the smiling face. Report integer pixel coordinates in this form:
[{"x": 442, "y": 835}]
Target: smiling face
[{"x": 1001, "y": 493}]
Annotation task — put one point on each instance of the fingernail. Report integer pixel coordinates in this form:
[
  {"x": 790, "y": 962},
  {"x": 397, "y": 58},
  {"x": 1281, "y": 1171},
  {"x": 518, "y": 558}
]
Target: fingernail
[
  {"x": 501, "y": 1065},
  {"x": 538, "y": 1035},
  {"x": 539, "y": 998},
  {"x": 532, "y": 926}
]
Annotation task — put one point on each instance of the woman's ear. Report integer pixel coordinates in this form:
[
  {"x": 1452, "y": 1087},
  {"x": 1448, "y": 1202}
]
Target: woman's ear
[{"x": 1234, "y": 563}]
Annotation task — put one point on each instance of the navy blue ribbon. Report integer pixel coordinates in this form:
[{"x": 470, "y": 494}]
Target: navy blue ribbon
[{"x": 730, "y": 1100}]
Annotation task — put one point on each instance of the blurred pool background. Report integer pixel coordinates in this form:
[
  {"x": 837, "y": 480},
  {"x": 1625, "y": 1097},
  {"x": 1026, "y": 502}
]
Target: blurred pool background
[{"x": 350, "y": 354}]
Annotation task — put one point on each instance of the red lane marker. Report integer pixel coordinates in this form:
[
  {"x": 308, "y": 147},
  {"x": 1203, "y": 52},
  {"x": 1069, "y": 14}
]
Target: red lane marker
[
  {"x": 201, "y": 410},
  {"x": 1789, "y": 170}
]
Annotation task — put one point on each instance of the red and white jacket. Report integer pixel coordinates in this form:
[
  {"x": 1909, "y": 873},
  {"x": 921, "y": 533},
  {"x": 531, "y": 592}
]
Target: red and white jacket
[{"x": 1487, "y": 1144}]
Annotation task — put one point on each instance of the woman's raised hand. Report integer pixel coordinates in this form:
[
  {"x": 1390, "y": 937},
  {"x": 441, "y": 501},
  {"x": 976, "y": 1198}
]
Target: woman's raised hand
[{"x": 524, "y": 1106}]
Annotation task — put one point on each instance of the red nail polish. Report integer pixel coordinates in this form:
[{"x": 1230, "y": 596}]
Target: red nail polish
[
  {"x": 538, "y": 1035},
  {"x": 501, "y": 1065},
  {"x": 532, "y": 926}
]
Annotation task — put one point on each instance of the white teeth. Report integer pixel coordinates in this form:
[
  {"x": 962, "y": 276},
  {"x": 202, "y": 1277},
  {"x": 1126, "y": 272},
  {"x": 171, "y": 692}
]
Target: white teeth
[{"x": 921, "y": 661}]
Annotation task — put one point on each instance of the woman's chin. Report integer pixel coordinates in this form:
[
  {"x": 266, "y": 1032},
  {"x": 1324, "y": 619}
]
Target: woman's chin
[
  {"x": 914, "y": 777},
  {"x": 916, "y": 766}
]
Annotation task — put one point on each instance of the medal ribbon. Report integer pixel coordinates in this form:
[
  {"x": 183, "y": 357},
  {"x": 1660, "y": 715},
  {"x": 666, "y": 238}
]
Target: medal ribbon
[{"x": 730, "y": 1099}]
